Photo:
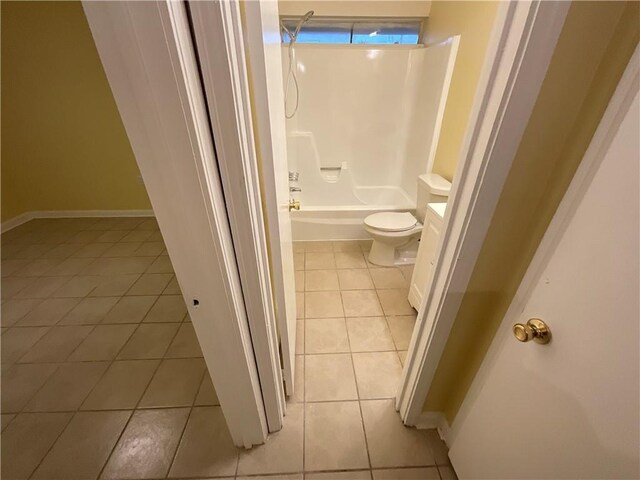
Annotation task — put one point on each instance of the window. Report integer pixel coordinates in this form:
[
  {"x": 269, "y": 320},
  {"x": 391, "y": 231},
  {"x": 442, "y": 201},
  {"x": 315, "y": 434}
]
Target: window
[{"x": 360, "y": 32}]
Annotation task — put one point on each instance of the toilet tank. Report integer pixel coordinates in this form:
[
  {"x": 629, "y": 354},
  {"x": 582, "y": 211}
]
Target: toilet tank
[{"x": 432, "y": 188}]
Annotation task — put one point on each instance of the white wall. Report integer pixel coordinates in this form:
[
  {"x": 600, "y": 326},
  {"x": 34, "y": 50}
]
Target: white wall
[{"x": 371, "y": 112}]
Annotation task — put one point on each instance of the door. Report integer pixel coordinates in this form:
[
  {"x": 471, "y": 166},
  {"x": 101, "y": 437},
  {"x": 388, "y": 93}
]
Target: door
[
  {"x": 569, "y": 409},
  {"x": 263, "y": 46}
]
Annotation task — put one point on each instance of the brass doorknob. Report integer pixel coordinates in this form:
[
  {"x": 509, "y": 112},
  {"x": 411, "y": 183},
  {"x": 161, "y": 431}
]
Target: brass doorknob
[
  {"x": 535, "y": 329},
  {"x": 294, "y": 205}
]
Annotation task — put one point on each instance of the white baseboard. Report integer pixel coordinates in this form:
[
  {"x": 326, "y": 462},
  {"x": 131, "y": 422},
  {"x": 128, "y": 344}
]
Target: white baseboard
[
  {"x": 25, "y": 217},
  {"x": 437, "y": 420}
]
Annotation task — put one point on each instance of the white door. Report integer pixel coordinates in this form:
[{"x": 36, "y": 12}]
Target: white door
[
  {"x": 263, "y": 44},
  {"x": 569, "y": 409}
]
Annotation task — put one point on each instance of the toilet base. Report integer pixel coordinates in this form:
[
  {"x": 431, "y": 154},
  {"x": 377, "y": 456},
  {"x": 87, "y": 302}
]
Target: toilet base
[{"x": 386, "y": 255}]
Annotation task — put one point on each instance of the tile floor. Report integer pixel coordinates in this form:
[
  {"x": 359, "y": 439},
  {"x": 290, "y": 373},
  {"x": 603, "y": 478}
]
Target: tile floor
[{"x": 102, "y": 375}]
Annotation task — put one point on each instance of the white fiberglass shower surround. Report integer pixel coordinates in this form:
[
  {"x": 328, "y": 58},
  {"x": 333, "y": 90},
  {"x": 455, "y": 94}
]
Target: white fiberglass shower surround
[{"x": 366, "y": 127}]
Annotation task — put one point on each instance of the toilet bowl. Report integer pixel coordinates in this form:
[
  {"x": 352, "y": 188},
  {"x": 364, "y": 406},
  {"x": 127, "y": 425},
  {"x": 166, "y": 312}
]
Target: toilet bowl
[
  {"x": 394, "y": 233},
  {"x": 390, "y": 232}
]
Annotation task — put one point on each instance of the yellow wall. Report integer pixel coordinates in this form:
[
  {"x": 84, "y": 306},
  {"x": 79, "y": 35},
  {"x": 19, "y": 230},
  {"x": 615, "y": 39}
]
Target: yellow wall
[
  {"x": 594, "y": 48},
  {"x": 63, "y": 143},
  {"x": 356, "y": 8},
  {"x": 473, "y": 20}
]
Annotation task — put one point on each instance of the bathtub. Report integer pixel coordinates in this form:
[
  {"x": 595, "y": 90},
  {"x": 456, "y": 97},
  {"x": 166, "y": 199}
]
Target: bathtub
[{"x": 345, "y": 222}]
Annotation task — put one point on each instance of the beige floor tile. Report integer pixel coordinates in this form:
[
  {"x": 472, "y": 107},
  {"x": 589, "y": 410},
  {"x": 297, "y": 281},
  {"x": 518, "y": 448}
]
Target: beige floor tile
[
  {"x": 121, "y": 249},
  {"x": 298, "y": 261},
  {"x": 429, "y": 473},
  {"x": 286, "y": 476},
  {"x": 321, "y": 280},
  {"x": 326, "y": 335},
  {"x": 175, "y": 383},
  {"x": 11, "y": 286},
  {"x": 130, "y": 309},
  {"x": 394, "y": 302},
  {"x": 322, "y": 305},
  {"x": 173, "y": 288},
  {"x": 69, "y": 266},
  {"x": 401, "y": 329},
  {"x": 122, "y": 385},
  {"x": 403, "y": 357},
  {"x": 49, "y": 312},
  {"x": 118, "y": 265},
  {"x": 147, "y": 445},
  {"x": 168, "y": 308},
  {"x": 355, "y": 279},
  {"x": 361, "y": 303},
  {"x": 318, "y": 247},
  {"x": 57, "y": 344},
  {"x": 21, "y": 382},
  {"x": 334, "y": 437},
  {"x": 150, "y": 249},
  {"x": 136, "y": 236},
  {"x": 162, "y": 264},
  {"x": 16, "y": 266},
  {"x": 33, "y": 268},
  {"x": 207, "y": 393},
  {"x": 112, "y": 236},
  {"x": 206, "y": 448},
  {"x": 391, "y": 444},
  {"x": 350, "y": 260},
  {"x": 298, "y": 385},
  {"x": 17, "y": 341},
  {"x": 299, "y": 279},
  {"x": 150, "y": 284},
  {"x": 185, "y": 344},
  {"x": 388, "y": 278},
  {"x": 90, "y": 311},
  {"x": 377, "y": 373},
  {"x": 14, "y": 310},
  {"x": 103, "y": 343},
  {"x": 88, "y": 440},
  {"x": 42, "y": 287},
  {"x": 319, "y": 261},
  {"x": 27, "y": 440},
  {"x": 92, "y": 250},
  {"x": 329, "y": 377},
  {"x": 407, "y": 273},
  {"x": 346, "y": 246},
  {"x": 447, "y": 473},
  {"x": 78, "y": 287},
  {"x": 67, "y": 387},
  {"x": 149, "y": 341},
  {"x": 300, "y": 336},
  {"x": 299, "y": 305},
  {"x": 438, "y": 447},
  {"x": 6, "y": 419},
  {"x": 369, "y": 334},
  {"x": 348, "y": 475},
  {"x": 114, "y": 285},
  {"x": 282, "y": 453}
]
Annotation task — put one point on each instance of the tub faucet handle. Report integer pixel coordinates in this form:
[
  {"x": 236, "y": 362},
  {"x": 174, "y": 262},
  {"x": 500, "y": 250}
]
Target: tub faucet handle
[
  {"x": 293, "y": 176},
  {"x": 295, "y": 189},
  {"x": 294, "y": 205}
]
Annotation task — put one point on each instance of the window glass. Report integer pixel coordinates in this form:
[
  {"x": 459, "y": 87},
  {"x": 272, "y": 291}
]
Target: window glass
[{"x": 327, "y": 31}]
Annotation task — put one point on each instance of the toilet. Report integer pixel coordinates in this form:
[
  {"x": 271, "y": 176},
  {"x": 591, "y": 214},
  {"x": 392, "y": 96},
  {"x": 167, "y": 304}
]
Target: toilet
[{"x": 395, "y": 234}]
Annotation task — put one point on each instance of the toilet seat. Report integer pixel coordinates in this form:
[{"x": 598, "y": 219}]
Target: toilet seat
[{"x": 391, "y": 221}]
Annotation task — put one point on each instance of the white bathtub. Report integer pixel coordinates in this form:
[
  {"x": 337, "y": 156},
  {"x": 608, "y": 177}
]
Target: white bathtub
[{"x": 345, "y": 222}]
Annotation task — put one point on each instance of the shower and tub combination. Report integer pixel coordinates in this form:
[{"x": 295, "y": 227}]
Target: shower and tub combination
[{"x": 362, "y": 126}]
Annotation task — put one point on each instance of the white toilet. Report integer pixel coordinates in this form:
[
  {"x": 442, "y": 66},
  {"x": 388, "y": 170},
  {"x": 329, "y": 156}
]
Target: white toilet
[{"x": 394, "y": 232}]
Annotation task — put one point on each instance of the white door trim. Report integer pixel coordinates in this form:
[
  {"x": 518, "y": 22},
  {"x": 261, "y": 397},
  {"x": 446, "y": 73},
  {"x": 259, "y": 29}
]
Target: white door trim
[
  {"x": 621, "y": 101},
  {"x": 224, "y": 74},
  {"x": 519, "y": 53},
  {"x": 147, "y": 54}
]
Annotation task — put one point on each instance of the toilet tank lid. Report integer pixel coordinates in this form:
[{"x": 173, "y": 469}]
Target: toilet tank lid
[{"x": 437, "y": 185}]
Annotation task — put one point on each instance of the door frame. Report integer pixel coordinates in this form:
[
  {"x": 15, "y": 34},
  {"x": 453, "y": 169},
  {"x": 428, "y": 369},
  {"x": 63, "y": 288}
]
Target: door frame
[
  {"x": 148, "y": 56},
  {"x": 519, "y": 52}
]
